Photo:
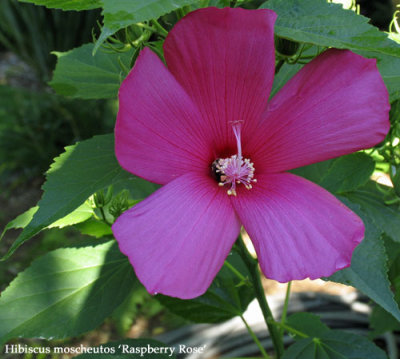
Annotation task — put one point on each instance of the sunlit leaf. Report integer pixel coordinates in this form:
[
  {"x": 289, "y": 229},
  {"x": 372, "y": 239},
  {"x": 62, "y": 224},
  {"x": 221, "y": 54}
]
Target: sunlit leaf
[
  {"x": 81, "y": 214},
  {"x": 67, "y": 4},
  {"x": 80, "y": 171},
  {"x": 95, "y": 228},
  {"x": 65, "y": 293}
]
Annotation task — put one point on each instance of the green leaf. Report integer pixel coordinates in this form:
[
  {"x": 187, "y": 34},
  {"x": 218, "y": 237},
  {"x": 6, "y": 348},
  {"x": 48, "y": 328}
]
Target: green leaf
[
  {"x": 67, "y": 4},
  {"x": 334, "y": 344},
  {"x": 329, "y": 25},
  {"x": 119, "y": 14},
  {"x": 65, "y": 293},
  {"x": 343, "y": 174},
  {"x": 307, "y": 323},
  {"x": 371, "y": 200},
  {"x": 348, "y": 173},
  {"x": 381, "y": 321},
  {"x": 95, "y": 228},
  {"x": 227, "y": 297},
  {"x": 133, "y": 349},
  {"x": 81, "y": 214},
  {"x": 79, "y": 74},
  {"x": 21, "y": 221},
  {"x": 283, "y": 76},
  {"x": 394, "y": 36},
  {"x": 368, "y": 271},
  {"x": 315, "y": 172},
  {"x": 80, "y": 171},
  {"x": 389, "y": 68}
]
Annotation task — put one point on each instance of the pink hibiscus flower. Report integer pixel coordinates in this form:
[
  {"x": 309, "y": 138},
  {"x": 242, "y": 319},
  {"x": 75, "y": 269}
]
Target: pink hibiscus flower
[{"x": 204, "y": 128}]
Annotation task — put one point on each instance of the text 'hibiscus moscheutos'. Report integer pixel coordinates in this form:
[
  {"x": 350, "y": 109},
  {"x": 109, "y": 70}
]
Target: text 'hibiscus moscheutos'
[{"x": 203, "y": 127}]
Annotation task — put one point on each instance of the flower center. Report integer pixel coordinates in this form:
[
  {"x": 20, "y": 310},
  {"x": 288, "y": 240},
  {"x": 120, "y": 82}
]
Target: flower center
[{"x": 234, "y": 170}]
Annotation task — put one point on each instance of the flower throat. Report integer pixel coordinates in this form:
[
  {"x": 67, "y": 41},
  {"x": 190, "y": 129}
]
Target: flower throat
[{"x": 234, "y": 170}]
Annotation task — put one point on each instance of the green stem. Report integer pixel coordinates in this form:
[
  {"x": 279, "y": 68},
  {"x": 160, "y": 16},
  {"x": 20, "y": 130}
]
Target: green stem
[
  {"x": 180, "y": 13},
  {"x": 235, "y": 271},
  {"x": 252, "y": 266},
  {"x": 285, "y": 307},
  {"x": 254, "y": 337},
  {"x": 145, "y": 26},
  {"x": 103, "y": 215},
  {"x": 279, "y": 65},
  {"x": 143, "y": 38},
  {"x": 289, "y": 329},
  {"x": 160, "y": 29}
]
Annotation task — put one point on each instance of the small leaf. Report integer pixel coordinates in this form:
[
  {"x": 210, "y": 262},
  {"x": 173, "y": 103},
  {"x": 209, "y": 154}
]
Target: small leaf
[
  {"x": 334, "y": 344},
  {"x": 80, "y": 171},
  {"x": 132, "y": 349},
  {"x": 67, "y": 4},
  {"x": 65, "y": 293},
  {"x": 80, "y": 74},
  {"x": 227, "y": 297},
  {"x": 307, "y": 323}
]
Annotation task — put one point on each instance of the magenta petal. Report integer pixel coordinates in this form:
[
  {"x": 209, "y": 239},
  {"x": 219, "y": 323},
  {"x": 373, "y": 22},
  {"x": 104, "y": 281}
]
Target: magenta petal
[
  {"x": 178, "y": 238},
  {"x": 159, "y": 134},
  {"x": 299, "y": 230},
  {"x": 335, "y": 105},
  {"x": 225, "y": 60}
]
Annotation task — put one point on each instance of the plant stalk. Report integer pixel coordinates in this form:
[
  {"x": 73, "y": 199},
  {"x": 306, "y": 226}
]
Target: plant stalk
[
  {"x": 255, "y": 339},
  {"x": 252, "y": 266},
  {"x": 285, "y": 308}
]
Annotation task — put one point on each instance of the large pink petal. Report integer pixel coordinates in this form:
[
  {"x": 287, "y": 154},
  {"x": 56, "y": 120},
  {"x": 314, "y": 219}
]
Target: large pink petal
[
  {"x": 299, "y": 230},
  {"x": 159, "y": 134},
  {"x": 335, "y": 105},
  {"x": 225, "y": 60},
  {"x": 178, "y": 238}
]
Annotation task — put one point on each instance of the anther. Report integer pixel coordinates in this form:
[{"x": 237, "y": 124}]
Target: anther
[{"x": 234, "y": 170}]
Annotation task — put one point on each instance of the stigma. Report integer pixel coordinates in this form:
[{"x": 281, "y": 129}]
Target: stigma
[{"x": 235, "y": 170}]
